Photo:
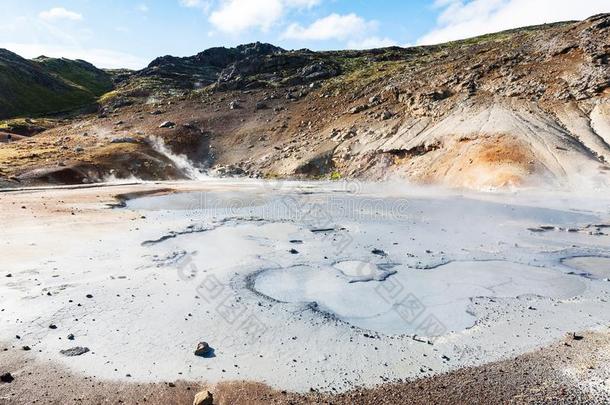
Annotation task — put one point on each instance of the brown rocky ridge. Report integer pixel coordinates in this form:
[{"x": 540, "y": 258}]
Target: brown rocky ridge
[{"x": 520, "y": 107}]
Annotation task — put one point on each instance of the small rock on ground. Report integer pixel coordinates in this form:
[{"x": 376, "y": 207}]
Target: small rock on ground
[
  {"x": 204, "y": 398},
  {"x": 8, "y": 378},
  {"x": 203, "y": 349},
  {"x": 75, "y": 351}
]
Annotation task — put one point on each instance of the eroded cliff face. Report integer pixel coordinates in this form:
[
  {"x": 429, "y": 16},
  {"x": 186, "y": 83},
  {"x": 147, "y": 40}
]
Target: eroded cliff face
[{"x": 527, "y": 106}]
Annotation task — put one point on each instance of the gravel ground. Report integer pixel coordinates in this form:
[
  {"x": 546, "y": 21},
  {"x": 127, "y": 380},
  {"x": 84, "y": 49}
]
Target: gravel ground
[{"x": 568, "y": 372}]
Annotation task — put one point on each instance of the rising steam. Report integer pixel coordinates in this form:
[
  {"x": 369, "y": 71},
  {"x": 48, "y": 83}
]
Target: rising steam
[{"x": 181, "y": 162}]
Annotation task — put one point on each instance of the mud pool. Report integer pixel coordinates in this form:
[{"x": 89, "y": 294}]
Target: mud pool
[{"x": 300, "y": 285}]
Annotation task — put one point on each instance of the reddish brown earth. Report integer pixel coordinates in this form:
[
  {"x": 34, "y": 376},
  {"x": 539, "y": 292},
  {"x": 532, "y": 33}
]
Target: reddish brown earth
[
  {"x": 512, "y": 108},
  {"x": 568, "y": 372}
]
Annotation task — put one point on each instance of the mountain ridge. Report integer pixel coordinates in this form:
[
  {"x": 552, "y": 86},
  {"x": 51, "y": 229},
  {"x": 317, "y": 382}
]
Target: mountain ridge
[
  {"x": 513, "y": 108},
  {"x": 47, "y": 85}
]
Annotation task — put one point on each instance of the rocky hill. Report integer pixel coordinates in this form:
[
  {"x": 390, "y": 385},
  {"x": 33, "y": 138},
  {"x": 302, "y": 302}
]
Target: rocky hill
[
  {"x": 520, "y": 107},
  {"x": 47, "y": 85}
]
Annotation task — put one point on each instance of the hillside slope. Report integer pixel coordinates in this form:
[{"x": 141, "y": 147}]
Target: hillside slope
[
  {"x": 522, "y": 107},
  {"x": 47, "y": 85},
  {"x": 78, "y": 72}
]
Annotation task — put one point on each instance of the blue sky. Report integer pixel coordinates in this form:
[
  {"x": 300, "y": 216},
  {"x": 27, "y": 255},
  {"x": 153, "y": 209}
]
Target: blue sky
[{"x": 130, "y": 33}]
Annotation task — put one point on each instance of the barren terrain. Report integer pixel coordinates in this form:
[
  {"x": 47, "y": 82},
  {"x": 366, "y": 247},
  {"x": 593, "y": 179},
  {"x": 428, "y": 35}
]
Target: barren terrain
[
  {"x": 399, "y": 225},
  {"x": 518, "y": 108},
  {"x": 344, "y": 288}
]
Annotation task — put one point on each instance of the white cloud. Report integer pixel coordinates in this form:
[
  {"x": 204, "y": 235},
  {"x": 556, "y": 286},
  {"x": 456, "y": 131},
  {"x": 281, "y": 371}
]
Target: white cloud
[
  {"x": 102, "y": 58},
  {"x": 201, "y": 4},
  {"x": 372, "y": 43},
  {"x": 333, "y": 26},
  {"x": 142, "y": 7},
  {"x": 467, "y": 18},
  {"x": 32, "y": 36},
  {"x": 302, "y": 3},
  {"x": 235, "y": 16},
  {"x": 190, "y": 3},
  {"x": 60, "y": 13}
]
